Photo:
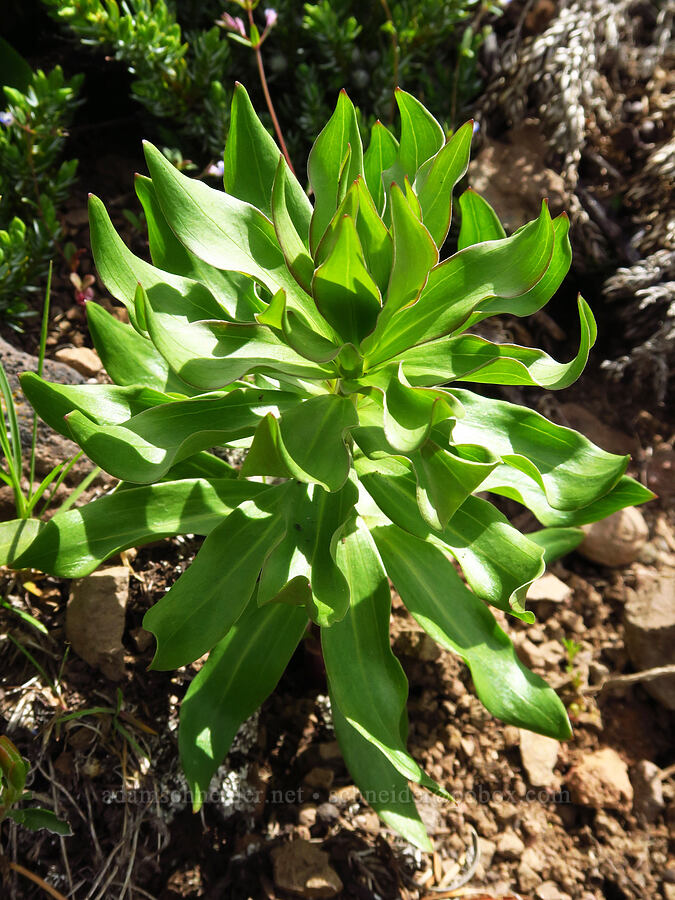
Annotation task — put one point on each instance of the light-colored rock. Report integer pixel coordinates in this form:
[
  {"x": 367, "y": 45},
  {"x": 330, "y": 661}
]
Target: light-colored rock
[
  {"x": 95, "y": 619},
  {"x": 528, "y": 878},
  {"x": 307, "y": 816},
  {"x": 648, "y": 790},
  {"x": 509, "y": 845},
  {"x": 649, "y": 619},
  {"x": 82, "y": 359},
  {"x": 539, "y": 755},
  {"x": 549, "y": 890},
  {"x": 302, "y": 869},
  {"x": 617, "y": 540},
  {"x": 601, "y": 781},
  {"x": 543, "y": 656},
  {"x": 549, "y": 587}
]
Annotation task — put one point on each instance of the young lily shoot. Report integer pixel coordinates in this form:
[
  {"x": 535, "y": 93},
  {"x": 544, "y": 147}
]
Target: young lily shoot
[{"x": 328, "y": 341}]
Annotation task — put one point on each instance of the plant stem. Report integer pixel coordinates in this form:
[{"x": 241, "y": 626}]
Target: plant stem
[
  {"x": 268, "y": 99},
  {"x": 40, "y": 366},
  {"x": 47, "y": 888}
]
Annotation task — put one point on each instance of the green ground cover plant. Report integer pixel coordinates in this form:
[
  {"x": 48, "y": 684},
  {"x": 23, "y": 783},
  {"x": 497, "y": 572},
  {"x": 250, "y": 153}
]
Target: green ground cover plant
[
  {"x": 330, "y": 344},
  {"x": 34, "y": 178},
  {"x": 182, "y": 62}
]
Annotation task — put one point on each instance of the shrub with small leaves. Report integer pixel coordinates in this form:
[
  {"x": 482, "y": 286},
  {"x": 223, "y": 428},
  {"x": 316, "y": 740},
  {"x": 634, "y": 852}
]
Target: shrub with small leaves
[
  {"x": 34, "y": 181},
  {"x": 332, "y": 346},
  {"x": 176, "y": 76}
]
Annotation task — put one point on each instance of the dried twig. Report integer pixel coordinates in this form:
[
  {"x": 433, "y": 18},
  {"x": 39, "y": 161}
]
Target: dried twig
[{"x": 634, "y": 678}]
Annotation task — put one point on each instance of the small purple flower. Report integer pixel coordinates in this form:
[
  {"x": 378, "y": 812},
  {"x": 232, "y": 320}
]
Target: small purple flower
[
  {"x": 6, "y": 118},
  {"x": 271, "y": 17},
  {"x": 233, "y": 23},
  {"x": 216, "y": 169}
]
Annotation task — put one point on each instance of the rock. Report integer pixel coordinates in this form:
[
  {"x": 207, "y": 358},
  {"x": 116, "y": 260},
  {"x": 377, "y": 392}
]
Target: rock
[
  {"x": 54, "y": 449},
  {"x": 513, "y": 177},
  {"x": 320, "y": 778},
  {"x": 328, "y": 813},
  {"x": 601, "y": 781},
  {"x": 648, "y": 790},
  {"x": 549, "y": 587},
  {"x": 616, "y": 540},
  {"x": 649, "y": 619},
  {"x": 549, "y": 890},
  {"x": 486, "y": 851},
  {"x": 307, "y": 816},
  {"x": 510, "y": 846},
  {"x": 302, "y": 869},
  {"x": 539, "y": 755},
  {"x": 82, "y": 359},
  {"x": 528, "y": 871},
  {"x": 95, "y": 619},
  {"x": 417, "y": 644},
  {"x": 543, "y": 656},
  {"x": 329, "y": 750}
]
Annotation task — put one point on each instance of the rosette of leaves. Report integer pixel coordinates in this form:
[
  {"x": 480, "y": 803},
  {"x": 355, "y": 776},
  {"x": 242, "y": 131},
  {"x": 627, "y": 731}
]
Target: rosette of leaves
[{"x": 331, "y": 344}]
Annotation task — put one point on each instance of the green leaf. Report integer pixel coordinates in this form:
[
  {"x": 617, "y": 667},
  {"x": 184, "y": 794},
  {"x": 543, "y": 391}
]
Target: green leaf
[
  {"x": 233, "y": 291},
  {"x": 340, "y": 135},
  {"x": 349, "y": 206},
  {"x": 16, "y": 536},
  {"x": 459, "y": 285},
  {"x": 498, "y": 561},
  {"x": 479, "y": 221},
  {"x": 292, "y": 244},
  {"x": 380, "y": 783},
  {"x": 104, "y": 404},
  {"x": 509, "y": 482},
  {"x": 436, "y": 180},
  {"x": 297, "y": 333},
  {"x": 381, "y": 155},
  {"x": 415, "y": 254},
  {"x": 410, "y": 413},
  {"x": 456, "y": 619},
  {"x": 378, "y": 248},
  {"x": 468, "y": 357},
  {"x": 121, "y": 271},
  {"x": 570, "y": 470},
  {"x": 357, "y": 653},
  {"x": 241, "y": 672},
  {"x": 128, "y": 357},
  {"x": 556, "y": 542},
  {"x": 208, "y": 598},
  {"x": 251, "y": 161},
  {"x": 544, "y": 289},
  {"x": 211, "y": 354},
  {"x": 343, "y": 289},
  {"x": 421, "y": 135},
  {"x": 302, "y": 568},
  {"x": 74, "y": 543},
  {"x": 445, "y": 480},
  {"x": 223, "y": 231},
  {"x": 35, "y": 819},
  {"x": 307, "y": 442},
  {"x": 146, "y": 446}
]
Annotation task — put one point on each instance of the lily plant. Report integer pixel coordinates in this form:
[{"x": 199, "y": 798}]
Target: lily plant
[{"x": 329, "y": 342}]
